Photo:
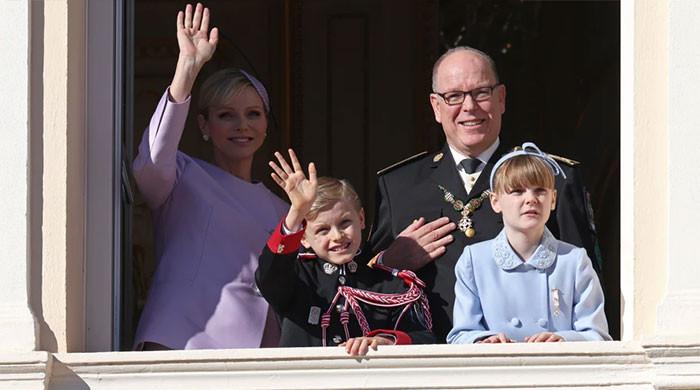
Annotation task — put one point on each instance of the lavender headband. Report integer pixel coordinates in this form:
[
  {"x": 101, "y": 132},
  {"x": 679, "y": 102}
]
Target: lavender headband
[
  {"x": 259, "y": 87},
  {"x": 528, "y": 149}
]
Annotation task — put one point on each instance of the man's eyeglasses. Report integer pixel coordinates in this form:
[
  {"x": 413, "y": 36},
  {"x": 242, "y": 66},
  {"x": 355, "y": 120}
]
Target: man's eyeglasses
[{"x": 454, "y": 98}]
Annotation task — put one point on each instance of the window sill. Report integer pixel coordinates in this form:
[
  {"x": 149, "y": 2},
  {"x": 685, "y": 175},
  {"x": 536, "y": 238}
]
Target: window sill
[{"x": 655, "y": 364}]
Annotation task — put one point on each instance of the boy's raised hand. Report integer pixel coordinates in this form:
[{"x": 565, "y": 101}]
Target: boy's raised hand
[{"x": 300, "y": 189}]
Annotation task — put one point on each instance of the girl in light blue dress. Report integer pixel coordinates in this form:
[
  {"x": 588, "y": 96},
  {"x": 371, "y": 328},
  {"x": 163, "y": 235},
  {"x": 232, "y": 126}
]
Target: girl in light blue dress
[{"x": 525, "y": 285}]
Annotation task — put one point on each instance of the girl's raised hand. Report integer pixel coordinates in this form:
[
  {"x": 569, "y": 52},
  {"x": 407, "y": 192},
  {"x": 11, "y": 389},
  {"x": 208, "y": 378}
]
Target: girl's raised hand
[{"x": 300, "y": 189}]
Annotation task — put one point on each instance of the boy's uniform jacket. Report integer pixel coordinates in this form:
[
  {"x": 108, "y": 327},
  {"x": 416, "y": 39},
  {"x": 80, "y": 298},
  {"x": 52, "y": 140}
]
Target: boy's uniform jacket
[{"x": 300, "y": 290}]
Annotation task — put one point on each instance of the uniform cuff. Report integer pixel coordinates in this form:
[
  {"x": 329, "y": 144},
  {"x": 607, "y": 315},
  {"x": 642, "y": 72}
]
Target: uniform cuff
[
  {"x": 377, "y": 263},
  {"x": 284, "y": 244},
  {"x": 400, "y": 338}
]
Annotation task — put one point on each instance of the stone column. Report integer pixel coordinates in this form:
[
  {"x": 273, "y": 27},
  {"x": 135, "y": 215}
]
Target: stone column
[
  {"x": 679, "y": 313},
  {"x": 18, "y": 330}
]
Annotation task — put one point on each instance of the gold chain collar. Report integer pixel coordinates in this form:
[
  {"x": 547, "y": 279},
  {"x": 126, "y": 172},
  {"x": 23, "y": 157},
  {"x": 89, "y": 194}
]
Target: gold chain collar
[{"x": 466, "y": 225}]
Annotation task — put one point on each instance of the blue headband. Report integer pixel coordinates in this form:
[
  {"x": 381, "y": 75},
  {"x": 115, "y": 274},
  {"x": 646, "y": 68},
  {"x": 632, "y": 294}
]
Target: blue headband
[
  {"x": 259, "y": 87},
  {"x": 528, "y": 149}
]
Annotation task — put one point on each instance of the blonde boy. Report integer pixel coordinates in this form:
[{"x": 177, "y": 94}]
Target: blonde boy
[{"x": 326, "y": 217}]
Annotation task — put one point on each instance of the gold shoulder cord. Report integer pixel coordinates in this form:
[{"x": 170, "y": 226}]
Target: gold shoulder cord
[{"x": 466, "y": 225}]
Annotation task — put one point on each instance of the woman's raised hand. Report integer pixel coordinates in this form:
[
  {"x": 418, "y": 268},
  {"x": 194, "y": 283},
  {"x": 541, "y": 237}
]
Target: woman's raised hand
[
  {"x": 197, "y": 45},
  {"x": 193, "y": 37},
  {"x": 300, "y": 189}
]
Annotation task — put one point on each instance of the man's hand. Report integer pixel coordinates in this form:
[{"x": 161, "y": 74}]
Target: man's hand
[
  {"x": 496, "y": 339},
  {"x": 419, "y": 244},
  {"x": 544, "y": 337}
]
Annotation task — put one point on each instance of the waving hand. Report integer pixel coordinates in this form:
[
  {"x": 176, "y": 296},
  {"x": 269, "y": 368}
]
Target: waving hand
[
  {"x": 192, "y": 34},
  {"x": 300, "y": 189},
  {"x": 197, "y": 46}
]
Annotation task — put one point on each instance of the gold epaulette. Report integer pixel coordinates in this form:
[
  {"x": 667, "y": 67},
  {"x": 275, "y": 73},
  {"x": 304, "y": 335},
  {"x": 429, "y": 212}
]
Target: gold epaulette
[
  {"x": 565, "y": 160},
  {"x": 401, "y": 163}
]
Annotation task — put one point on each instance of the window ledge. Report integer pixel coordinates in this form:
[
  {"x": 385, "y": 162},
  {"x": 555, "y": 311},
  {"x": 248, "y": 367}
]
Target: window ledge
[
  {"x": 667, "y": 365},
  {"x": 28, "y": 370}
]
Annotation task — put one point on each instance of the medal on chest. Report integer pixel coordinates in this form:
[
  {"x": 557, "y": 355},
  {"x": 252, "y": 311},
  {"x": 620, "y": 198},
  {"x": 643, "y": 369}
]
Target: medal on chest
[
  {"x": 466, "y": 209},
  {"x": 329, "y": 268}
]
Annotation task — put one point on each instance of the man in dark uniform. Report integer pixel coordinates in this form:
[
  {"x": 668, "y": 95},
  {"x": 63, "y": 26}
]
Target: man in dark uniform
[{"x": 468, "y": 101}]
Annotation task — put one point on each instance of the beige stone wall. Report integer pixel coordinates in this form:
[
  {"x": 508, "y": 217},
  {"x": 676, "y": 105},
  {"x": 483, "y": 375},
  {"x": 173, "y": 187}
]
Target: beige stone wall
[
  {"x": 17, "y": 324},
  {"x": 64, "y": 169},
  {"x": 643, "y": 268}
]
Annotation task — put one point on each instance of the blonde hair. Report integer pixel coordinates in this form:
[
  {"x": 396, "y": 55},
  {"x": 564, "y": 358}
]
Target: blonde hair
[
  {"x": 220, "y": 87},
  {"x": 521, "y": 172},
  {"x": 331, "y": 191}
]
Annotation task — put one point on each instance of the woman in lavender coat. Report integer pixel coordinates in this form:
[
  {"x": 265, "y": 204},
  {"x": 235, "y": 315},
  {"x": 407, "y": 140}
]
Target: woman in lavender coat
[{"x": 210, "y": 219}]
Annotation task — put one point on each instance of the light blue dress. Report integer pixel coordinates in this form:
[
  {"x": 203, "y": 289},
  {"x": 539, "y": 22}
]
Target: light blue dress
[{"x": 556, "y": 290}]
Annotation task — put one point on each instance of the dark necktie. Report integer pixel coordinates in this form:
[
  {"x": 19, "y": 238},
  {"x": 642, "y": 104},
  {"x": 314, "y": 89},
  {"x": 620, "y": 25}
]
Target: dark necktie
[{"x": 470, "y": 164}]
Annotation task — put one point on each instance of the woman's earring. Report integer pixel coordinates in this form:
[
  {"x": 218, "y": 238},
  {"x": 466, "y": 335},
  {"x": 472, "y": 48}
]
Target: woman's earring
[{"x": 205, "y": 137}]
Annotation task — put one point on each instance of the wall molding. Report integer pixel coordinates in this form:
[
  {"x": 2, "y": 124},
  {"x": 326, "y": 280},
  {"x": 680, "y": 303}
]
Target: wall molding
[
  {"x": 658, "y": 363},
  {"x": 25, "y": 371}
]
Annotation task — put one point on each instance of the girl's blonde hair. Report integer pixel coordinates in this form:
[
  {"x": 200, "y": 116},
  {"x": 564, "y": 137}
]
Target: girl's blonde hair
[
  {"x": 331, "y": 191},
  {"x": 521, "y": 172}
]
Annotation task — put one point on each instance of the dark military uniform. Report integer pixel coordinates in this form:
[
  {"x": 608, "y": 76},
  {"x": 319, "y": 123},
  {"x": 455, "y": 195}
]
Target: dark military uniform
[
  {"x": 301, "y": 290},
  {"x": 410, "y": 190}
]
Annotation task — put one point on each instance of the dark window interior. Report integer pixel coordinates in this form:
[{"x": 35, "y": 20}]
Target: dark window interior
[{"x": 349, "y": 84}]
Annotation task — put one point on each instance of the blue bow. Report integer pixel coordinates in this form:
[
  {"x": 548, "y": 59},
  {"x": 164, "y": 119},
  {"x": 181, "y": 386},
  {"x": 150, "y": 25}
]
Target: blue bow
[{"x": 529, "y": 149}]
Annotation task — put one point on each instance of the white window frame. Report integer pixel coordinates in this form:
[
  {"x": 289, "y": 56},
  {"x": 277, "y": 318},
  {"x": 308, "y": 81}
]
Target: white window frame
[
  {"x": 626, "y": 168},
  {"x": 103, "y": 118}
]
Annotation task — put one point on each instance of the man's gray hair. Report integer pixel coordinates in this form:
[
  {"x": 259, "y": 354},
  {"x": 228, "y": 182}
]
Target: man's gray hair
[{"x": 478, "y": 52}]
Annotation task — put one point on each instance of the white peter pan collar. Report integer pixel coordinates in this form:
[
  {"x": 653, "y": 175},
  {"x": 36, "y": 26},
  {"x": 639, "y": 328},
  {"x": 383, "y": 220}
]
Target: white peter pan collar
[{"x": 543, "y": 257}]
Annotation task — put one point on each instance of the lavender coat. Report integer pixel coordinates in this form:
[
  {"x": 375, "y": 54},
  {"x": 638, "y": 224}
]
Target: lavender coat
[{"x": 209, "y": 229}]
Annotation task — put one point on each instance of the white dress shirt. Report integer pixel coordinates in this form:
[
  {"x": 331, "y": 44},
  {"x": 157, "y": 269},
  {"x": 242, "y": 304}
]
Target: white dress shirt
[{"x": 470, "y": 179}]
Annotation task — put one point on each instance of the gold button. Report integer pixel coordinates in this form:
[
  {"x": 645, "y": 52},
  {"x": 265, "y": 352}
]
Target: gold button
[{"x": 280, "y": 248}]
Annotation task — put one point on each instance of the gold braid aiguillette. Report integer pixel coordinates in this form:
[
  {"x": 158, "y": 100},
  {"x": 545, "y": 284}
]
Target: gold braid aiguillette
[{"x": 465, "y": 224}]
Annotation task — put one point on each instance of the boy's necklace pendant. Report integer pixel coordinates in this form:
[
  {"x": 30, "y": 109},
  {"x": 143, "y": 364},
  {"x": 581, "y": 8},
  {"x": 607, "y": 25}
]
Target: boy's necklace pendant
[
  {"x": 465, "y": 224},
  {"x": 329, "y": 268}
]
